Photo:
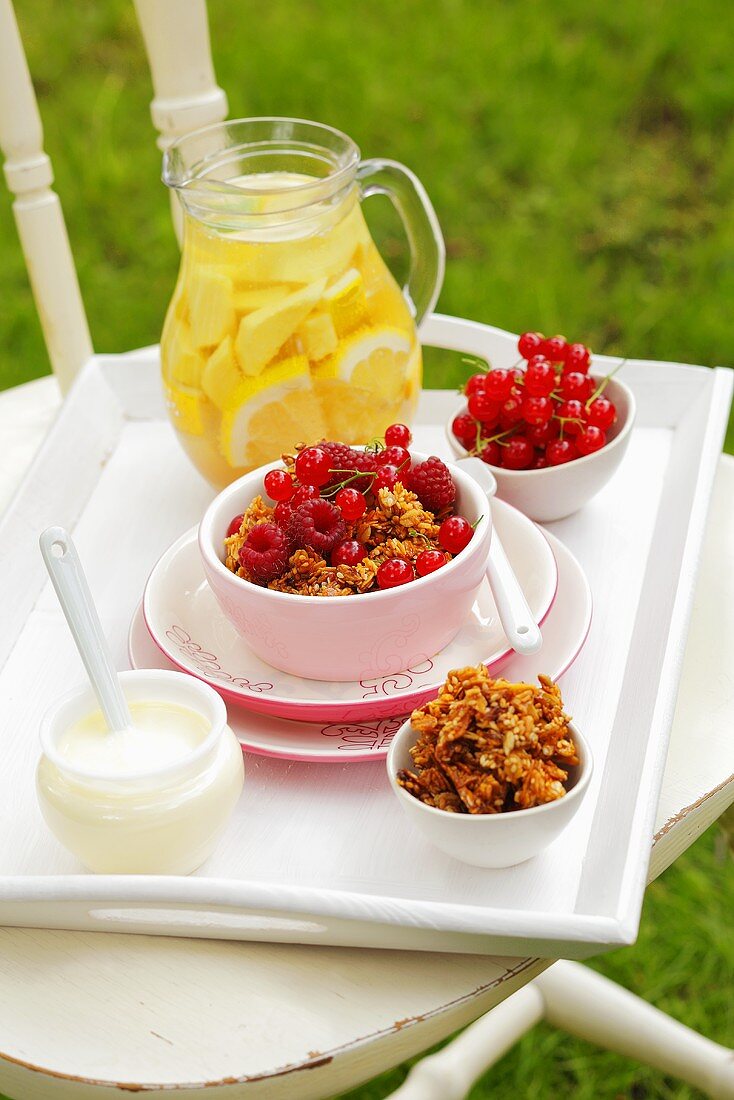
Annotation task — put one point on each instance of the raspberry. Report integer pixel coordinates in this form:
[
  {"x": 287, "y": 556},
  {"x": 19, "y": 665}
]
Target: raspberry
[
  {"x": 265, "y": 553},
  {"x": 342, "y": 458},
  {"x": 432, "y": 484},
  {"x": 319, "y": 524}
]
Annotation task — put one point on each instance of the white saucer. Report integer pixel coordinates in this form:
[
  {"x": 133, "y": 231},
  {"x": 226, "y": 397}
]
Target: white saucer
[
  {"x": 564, "y": 633},
  {"x": 187, "y": 624}
]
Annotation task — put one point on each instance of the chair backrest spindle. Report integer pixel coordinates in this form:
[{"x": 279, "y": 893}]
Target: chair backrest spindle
[
  {"x": 186, "y": 95},
  {"x": 37, "y": 210}
]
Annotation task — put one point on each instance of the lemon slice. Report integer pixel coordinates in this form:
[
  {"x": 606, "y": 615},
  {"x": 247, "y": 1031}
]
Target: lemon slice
[
  {"x": 270, "y": 413},
  {"x": 372, "y": 360}
]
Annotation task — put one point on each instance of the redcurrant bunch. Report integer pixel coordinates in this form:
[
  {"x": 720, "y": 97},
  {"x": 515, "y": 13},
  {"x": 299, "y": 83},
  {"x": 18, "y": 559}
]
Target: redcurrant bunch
[{"x": 549, "y": 413}]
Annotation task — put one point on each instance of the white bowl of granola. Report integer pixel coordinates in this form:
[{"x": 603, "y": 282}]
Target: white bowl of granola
[
  {"x": 348, "y": 637},
  {"x": 503, "y": 789}
]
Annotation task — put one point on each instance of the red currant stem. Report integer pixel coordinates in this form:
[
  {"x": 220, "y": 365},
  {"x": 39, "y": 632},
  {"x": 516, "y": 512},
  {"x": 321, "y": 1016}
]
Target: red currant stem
[
  {"x": 354, "y": 476},
  {"x": 480, "y": 364},
  {"x": 492, "y": 439},
  {"x": 603, "y": 384},
  {"x": 476, "y": 523}
]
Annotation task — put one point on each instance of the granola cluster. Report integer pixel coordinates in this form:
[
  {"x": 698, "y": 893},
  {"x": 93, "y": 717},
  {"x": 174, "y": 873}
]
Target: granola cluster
[
  {"x": 487, "y": 746},
  {"x": 396, "y": 525}
]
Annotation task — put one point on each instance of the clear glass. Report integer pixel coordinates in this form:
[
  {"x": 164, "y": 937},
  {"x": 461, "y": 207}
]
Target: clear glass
[{"x": 286, "y": 326}]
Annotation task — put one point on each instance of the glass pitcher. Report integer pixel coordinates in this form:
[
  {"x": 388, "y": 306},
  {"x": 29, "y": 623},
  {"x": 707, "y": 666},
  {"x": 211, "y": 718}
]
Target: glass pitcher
[{"x": 286, "y": 326}]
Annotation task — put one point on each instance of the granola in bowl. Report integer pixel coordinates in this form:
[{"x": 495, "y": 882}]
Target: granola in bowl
[
  {"x": 490, "y": 772},
  {"x": 342, "y": 521},
  {"x": 488, "y": 746}
]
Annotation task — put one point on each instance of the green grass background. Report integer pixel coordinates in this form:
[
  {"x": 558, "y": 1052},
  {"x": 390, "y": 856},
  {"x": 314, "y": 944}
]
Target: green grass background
[{"x": 581, "y": 160}]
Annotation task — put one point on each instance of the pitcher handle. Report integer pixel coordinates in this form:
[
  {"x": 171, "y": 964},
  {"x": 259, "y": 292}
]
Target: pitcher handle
[{"x": 427, "y": 250}]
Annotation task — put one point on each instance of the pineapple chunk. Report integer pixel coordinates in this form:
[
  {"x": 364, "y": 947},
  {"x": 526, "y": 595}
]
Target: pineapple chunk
[
  {"x": 255, "y": 297},
  {"x": 261, "y": 334},
  {"x": 318, "y": 336},
  {"x": 183, "y": 363},
  {"x": 346, "y": 302},
  {"x": 211, "y": 307},
  {"x": 221, "y": 376}
]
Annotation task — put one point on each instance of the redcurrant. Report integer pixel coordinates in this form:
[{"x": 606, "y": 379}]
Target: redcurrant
[
  {"x": 234, "y": 527},
  {"x": 454, "y": 534},
  {"x": 352, "y": 503},
  {"x": 428, "y": 562},
  {"x": 511, "y": 412},
  {"x": 279, "y": 485},
  {"x": 554, "y": 348},
  {"x": 589, "y": 440},
  {"x": 578, "y": 357},
  {"x": 537, "y": 410},
  {"x": 575, "y": 385},
  {"x": 559, "y": 451},
  {"x": 393, "y": 572},
  {"x": 529, "y": 343},
  {"x": 398, "y": 435},
  {"x": 464, "y": 428},
  {"x": 394, "y": 456},
  {"x": 601, "y": 413},
  {"x": 492, "y": 454},
  {"x": 282, "y": 514},
  {"x": 540, "y": 378},
  {"x": 518, "y": 453},
  {"x": 348, "y": 552},
  {"x": 573, "y": 417},
  {"x": 540, "y": 434},
  {"x": 498, "y": 384},
  {"x": 539, "y": 462},
  {"x": 385, "y": 478},
  {"x": 483, "y": 407},
  {"x": 313, "y": 466},
  {"x": 476, "y": 382},
  {"x": 304, "y": 493}
]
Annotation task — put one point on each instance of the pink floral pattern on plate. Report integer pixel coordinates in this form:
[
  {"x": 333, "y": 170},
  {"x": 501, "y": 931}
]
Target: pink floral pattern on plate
[
  {"x": 372, "y": 736},
  {"x": 208, "y": 662}
]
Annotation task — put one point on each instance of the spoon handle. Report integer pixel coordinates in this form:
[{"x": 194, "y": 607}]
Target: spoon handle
[
  {"x": 518, "y": 623},
  {"x": 67, "y": 576}
]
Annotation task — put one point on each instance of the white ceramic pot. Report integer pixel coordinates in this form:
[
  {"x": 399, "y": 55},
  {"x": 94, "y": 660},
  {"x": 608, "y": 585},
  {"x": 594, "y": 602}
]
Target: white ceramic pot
[{"x": 489, "y": 840}]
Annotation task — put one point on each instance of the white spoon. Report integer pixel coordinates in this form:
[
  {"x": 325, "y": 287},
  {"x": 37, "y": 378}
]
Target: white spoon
[
  {"x": 518, "y": 622},
  {"x": 67, "y": 577}
]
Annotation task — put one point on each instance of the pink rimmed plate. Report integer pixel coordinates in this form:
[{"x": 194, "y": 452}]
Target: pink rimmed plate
[
  {"x": 564, "y": 633},
  {"x": 187, "y": 624}
]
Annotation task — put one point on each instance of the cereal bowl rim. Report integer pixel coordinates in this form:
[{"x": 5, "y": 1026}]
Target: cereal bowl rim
[
  {"x": 586, "y": 768},
  {"x": 212, "y": 560},
  {"x": 500, "y": 471}
]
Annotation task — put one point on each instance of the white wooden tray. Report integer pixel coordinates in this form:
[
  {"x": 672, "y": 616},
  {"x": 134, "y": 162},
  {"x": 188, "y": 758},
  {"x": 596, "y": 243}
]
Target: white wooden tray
[{"x": 321, "y": 853}]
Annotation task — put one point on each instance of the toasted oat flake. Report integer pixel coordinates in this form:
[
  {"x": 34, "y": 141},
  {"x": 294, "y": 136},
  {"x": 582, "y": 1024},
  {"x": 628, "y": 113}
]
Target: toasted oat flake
[{"x": 488, "y": 746}]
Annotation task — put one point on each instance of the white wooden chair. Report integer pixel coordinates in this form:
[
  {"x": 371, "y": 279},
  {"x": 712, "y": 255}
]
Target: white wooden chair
[{"x": 567, "y": 995}]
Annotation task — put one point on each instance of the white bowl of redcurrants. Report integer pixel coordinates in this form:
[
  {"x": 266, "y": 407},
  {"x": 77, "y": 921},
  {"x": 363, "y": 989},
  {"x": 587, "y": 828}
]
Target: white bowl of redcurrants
[{"x": 552, "y": 431}]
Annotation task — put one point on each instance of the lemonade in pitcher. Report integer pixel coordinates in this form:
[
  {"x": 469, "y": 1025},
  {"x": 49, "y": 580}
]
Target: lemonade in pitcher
[{"x": 285, "y": 325}]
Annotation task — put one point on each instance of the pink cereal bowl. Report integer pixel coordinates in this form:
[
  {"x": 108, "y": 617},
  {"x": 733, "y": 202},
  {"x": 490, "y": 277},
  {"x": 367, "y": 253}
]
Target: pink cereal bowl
[
  {"x": 347, "y": 637},
  {"x": 558, "y": 491}
]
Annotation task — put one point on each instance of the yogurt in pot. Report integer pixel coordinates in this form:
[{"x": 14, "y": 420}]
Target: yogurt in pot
[{"x": 153, "y": 799}]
